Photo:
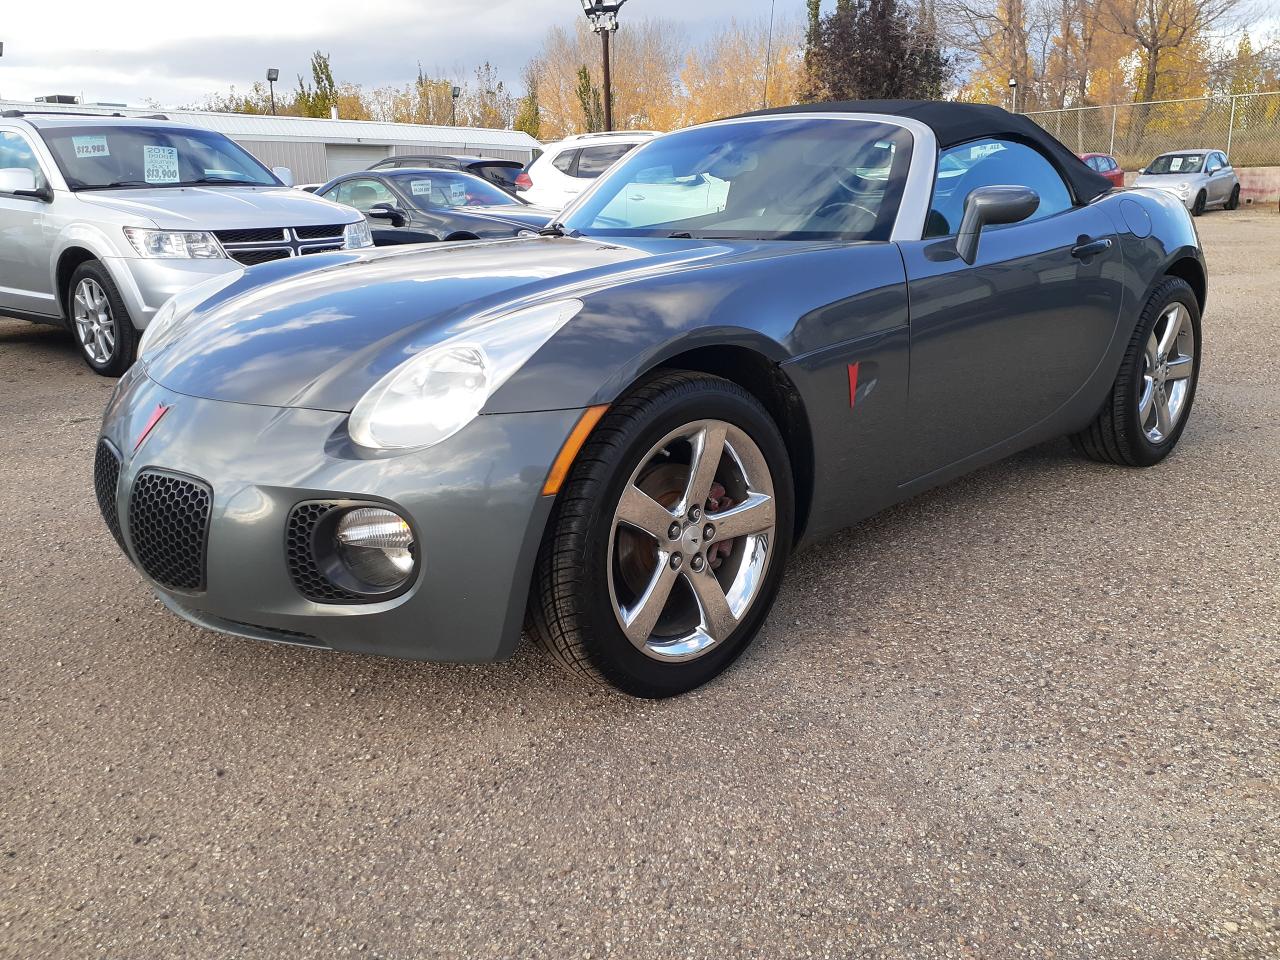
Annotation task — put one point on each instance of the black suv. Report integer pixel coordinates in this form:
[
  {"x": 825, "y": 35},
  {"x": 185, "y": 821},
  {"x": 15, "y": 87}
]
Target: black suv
[{"x": 501, "y": 173}]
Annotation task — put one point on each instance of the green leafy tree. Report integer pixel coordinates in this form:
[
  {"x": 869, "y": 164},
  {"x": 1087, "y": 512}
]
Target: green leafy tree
[
  {"x": 317, "y": 100},
  {"x": 528, "y": 113},
  {"x": 590, "y": 100},
  {"x": 873, "y": 49}
]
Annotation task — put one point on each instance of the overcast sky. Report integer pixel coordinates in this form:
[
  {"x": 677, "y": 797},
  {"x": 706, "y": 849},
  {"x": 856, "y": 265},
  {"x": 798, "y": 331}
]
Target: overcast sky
[{"x": 128, "y": 51}]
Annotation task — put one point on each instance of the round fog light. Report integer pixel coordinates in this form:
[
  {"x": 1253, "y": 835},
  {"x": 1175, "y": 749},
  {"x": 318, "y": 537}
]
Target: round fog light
[{"x": 376, "y": 546}]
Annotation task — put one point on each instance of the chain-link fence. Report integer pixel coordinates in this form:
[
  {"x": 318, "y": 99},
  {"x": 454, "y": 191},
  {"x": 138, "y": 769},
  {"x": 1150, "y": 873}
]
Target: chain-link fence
[{"x": 1246, "y": 125}]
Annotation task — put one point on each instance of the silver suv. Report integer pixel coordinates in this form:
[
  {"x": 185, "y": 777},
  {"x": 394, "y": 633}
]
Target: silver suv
[{"x": 103, "y": 219}]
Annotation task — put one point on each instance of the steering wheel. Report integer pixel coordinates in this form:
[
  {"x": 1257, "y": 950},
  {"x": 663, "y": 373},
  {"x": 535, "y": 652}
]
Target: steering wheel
[{"x": 836, "y": 205}]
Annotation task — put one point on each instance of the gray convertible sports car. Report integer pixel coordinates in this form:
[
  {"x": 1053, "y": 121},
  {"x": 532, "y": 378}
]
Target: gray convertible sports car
[{"x": 745, "y": 336}]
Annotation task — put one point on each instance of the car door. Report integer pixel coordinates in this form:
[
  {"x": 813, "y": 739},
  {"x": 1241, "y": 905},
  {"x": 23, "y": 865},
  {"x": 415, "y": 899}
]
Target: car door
[
  {"x": 1213, "y": 179},
  {"x": 1226, "y": 177},
  {"x": 26, "y": 240},
  {"x": 999, "y": 345},
  {"x": 364, "y": 193}
]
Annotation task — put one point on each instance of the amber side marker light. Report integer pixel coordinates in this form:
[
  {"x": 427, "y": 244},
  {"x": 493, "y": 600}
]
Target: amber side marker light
[{"x": 569, "y": 452}]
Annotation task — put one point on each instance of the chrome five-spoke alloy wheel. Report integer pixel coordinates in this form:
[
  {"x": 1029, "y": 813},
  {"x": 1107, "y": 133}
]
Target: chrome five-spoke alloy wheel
[
  {"x": 691, "y": 540},
  {"x": 95, "y": 326},
  {"x": 1166, "y": 375}
]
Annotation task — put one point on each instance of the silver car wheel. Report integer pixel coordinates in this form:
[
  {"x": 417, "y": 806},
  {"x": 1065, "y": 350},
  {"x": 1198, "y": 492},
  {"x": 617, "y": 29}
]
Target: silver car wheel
[
  {"x": 691, "y": 540},
  {"x": 1166, "y": 375},
  {"x": 95, "y": 326}
]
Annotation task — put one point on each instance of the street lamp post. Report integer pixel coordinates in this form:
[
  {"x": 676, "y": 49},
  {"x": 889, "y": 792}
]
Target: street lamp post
[
  {"x": 454, "y": 93},
  {"x": 603, "y": 15},
  {"x": 1013, "y": 95},
  {"x": 272, "y": 76}
]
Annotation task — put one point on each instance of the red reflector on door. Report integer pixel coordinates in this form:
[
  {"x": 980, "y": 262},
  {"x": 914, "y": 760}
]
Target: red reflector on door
[{"x": 853, "y": 384}]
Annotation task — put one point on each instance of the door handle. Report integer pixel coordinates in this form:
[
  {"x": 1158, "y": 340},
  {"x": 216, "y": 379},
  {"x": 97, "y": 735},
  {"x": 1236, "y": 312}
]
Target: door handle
[
  {"x": 636, "y": 196},
  {"x": 1086, "y": 248}
]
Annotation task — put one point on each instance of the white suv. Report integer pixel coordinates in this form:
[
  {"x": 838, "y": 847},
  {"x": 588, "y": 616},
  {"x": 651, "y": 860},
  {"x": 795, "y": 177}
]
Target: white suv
[
  {"x": 567, "y": 168},
  {"x": 103, "y": 219}
]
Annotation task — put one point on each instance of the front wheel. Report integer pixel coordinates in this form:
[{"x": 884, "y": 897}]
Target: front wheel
[
  {"x": 667, "y": 544},
  {"x": 1145, "y": 413},
  {"x": 1197, "y": 208},
  {"x": 100, "y": 321}
]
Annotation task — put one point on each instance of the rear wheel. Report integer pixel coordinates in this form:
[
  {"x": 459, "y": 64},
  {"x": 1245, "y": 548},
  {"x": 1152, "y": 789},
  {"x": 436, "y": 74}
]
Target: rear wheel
[
  {"x": 668, "y": 542},
  {"x": 100, "y": 321},
  {"x": 1197, "y": 208},
  {"x": 1234, "y": 201},
  {"x": 1147, "y": 409}
]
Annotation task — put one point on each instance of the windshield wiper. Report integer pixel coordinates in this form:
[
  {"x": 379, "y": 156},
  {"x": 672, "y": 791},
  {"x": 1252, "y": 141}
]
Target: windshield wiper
[
  {"x": 241, "y": 183},
  {"x": 114, "y": 183},
  {"x": 552, "y": 230}
]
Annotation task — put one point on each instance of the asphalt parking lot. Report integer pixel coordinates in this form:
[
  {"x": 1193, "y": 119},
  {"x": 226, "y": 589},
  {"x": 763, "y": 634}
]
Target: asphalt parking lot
[{"x": 1035, "y": 714}]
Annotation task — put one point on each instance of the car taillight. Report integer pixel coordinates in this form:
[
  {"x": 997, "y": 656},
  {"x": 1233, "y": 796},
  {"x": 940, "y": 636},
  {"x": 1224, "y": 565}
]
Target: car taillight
[{"x": 523, "y": 182}]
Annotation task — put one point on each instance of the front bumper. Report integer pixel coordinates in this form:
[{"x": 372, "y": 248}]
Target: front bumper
[
  {"x": 1188, "y": 201},
  {"x": 474, "y": 501},
  {"x": 145, "y": 284}
]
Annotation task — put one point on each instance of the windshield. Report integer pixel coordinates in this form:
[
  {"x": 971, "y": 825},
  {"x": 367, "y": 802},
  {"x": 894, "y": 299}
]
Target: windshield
[
  {"x": 785, "y": 178},
  {"x": 101, "y": 156},
  {"x": 444, "y": 188},
  {"x": 1177, "y": 163}
]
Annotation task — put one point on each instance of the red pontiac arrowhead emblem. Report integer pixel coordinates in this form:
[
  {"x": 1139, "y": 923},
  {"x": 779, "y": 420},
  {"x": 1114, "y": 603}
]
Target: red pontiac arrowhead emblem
[{"x": 156, "y": 414}]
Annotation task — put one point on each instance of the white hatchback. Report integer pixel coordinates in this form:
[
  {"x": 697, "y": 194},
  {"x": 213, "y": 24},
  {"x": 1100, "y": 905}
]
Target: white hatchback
[{"x": 567, "y": 167}]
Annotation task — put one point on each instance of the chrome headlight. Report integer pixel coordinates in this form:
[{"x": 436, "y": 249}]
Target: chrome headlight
[
  {"x": 432, "y": 396},
  {"x": 168, "y": 321},
  {"x": 357, "y": 235},
  {"x": 175, "y": 244}
]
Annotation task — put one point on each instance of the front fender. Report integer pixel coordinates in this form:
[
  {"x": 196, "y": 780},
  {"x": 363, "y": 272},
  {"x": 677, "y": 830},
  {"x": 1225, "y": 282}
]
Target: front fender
[{"x": 800, "y": 302}]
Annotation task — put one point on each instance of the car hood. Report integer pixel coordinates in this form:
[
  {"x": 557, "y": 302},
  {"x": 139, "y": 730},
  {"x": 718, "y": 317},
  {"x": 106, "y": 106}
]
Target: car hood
[
  {"x": 221, "y": 208},
  {"x": 517, "y": 215},
  {"x": 320, "y": 338},
  {"x": 1166, "y": 181}
]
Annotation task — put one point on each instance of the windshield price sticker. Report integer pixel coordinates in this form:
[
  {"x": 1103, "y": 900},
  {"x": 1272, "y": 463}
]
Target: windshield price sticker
[
  {"x": 160, "y": 164},
  {"x": 90, "y": 147},
  {"x": 458, "y": 191},
  {"x": 420, "y": 188}
]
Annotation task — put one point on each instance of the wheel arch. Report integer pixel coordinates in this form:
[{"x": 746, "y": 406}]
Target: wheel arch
[
  {"x": 769, "y": 384},
  {"x": 68, "y": 261},
  {"x": 1189, "y": 268}
]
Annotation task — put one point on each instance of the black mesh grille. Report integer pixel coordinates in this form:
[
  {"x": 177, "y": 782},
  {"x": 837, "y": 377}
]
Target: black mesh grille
[
  {"x": 106, "y": 480},
  {"x": 168, "y": 526},
  {"x": 306, "y": 575},
  {"x": 258, "y": 235},
  {"x": 250, "y": 257},
  {"x": 318, "y": 232}
]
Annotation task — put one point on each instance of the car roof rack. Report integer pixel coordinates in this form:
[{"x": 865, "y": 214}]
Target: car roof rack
[
  {"x": 12, "y": 114},
  {"x": 613, "y": 133}
]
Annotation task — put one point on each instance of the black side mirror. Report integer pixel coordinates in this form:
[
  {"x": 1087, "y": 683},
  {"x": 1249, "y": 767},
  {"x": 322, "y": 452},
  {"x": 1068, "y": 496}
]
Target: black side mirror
[
  {"x": 386, "y": 211},
  {"x": 988, "y": 206}
]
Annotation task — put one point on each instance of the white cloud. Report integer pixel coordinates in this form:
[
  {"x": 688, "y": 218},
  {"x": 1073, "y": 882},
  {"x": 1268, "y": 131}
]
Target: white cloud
[{"x": 175, "y": 54}]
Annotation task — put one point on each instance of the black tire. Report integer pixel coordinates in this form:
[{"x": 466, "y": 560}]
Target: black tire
[
  {"x": 1234, "y": 202},
  {"x": 570, "y": 612},
  {"x": 1116, "y": 436},
  {"x": 1197, "y": 208},
  {"x": 125, "y": 343}
]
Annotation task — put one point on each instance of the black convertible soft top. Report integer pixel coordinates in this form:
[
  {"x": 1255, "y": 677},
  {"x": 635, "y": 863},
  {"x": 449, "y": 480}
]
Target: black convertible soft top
[{"x": 955, "y": 123}]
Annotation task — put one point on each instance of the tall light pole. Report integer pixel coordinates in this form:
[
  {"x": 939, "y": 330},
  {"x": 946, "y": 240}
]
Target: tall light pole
[
  {"x": 603, "y": 15},
  {"x": 1013, "y": 95},
  {"x": 272, "y": 76},
  {"x": 454, "y": 94}
]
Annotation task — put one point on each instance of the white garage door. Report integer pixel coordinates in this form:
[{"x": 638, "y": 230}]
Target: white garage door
[{"x": 350, "y": 157}]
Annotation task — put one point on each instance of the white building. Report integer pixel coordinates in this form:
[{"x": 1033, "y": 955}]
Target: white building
[{"x": 317, "y": 150}]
